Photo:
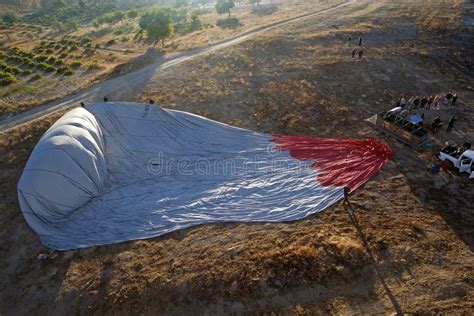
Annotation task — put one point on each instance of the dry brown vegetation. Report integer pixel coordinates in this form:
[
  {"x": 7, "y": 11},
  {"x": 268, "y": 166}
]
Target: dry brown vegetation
[{"x": 299, "y": 79}]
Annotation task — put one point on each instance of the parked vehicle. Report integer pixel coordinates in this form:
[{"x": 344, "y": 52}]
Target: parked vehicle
[{"x": 459, "y": 158}]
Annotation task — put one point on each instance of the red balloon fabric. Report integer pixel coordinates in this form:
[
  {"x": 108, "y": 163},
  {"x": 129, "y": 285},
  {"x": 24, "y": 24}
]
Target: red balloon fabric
[{"x": 340, "y": 162}]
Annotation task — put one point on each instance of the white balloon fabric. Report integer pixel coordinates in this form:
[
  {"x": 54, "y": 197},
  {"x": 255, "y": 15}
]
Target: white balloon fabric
[{"x": 114, "y": 172}]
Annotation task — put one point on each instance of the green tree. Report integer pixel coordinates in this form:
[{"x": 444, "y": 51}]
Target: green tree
[
  {"x": 132, "y": 14},
  {"x": 9, "y": 18},
  {"x": 59, "y": 4},
  {"x": 96, "y": 24},
  {"x": 118, "y": 16},
  {"x": 179, "y": 15},
  {"x": 158, "y": 25},
  {"x": 70, "y": 25},
  {"x": 181, "y": 3},
  {"x": 252, "y": 2},
  {"x": 82, "y": 4},
  {"x": 224, "y": 6},
  {"x": 195, "y": 21}
]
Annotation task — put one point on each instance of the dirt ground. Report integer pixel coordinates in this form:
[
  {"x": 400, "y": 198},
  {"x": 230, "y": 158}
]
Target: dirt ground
[{"x": 298, "y": 80}]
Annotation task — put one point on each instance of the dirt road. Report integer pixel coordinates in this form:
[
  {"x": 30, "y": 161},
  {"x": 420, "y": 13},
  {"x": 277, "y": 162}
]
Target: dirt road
[{"x": 127, "y": 87}]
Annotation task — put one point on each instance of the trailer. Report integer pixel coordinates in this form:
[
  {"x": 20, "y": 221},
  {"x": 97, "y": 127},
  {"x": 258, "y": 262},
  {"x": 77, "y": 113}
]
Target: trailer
[{"x": 407, "y": 131}]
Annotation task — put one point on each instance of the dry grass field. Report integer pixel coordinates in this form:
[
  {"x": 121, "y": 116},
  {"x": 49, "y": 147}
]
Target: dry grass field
[{"x": 299, "y": 79}]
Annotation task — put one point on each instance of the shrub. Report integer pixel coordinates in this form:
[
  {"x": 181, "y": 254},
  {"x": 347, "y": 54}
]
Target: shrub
[
  {"x": 49, "y": 51},
  {"x": 31, "y": 63},
  {"x": 6, "y": 78},
  {"x": 57, "y": 46},
  {"x": 13, "y": 70},
  {"x": 89, "y": 51},
  {"x": 64, "y": 70},
  {"x": 46, "y": 67},
  {"x": 52, "y": 60},
  {"x": 36, "y": 77},
  {"x": 41, "y": 58},
  {"x": 93, "y": 65},
  {"x": 228, "y": 23},
  {"x": 3, "y": 54},
  {"x": 27, "y": 72},
  {"x": 382, "y": 242},
  {"x": 64, "y": 55},
  {"x": 76, "y": 64},
  {"x": 28, "y": 54},
  {"x": 110, "y": 42},
  {"x": 14, "y": 58},
  {"x": 85, "y": 40},
  {"x": 9, "y": 18},
  {"x": 3, "y": 65}
]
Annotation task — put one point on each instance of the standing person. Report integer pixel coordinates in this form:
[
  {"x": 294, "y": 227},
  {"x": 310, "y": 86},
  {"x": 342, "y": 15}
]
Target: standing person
[
  {"x": 410, "y": 103},
  {"x": 436, "y": 102},
  {"x": 416, "y": 102},
  {"x": 451, "y": 123},
  {"x": 353, "y": 53},
  {"x": 435, "y": 167},
  {"x": 436, "y": 124},
  {"x": 430, "y": 102},
  {"x": 449, "y": 96},
  {"x": 361, "y": 52},
  {"x": 403, "y": 102},
  {"x": 455, "y": 98},
  {"x": 466, "y": 145},
  {"x": 349, "y": 40},
  {"x": 423, "y": 102},
  {"x": 360, "y": 41},
  {"x": 446, "y": 165}
]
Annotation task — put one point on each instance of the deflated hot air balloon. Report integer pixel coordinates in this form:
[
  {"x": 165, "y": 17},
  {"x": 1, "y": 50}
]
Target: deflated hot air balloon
[{"x": 113, "y": 172}]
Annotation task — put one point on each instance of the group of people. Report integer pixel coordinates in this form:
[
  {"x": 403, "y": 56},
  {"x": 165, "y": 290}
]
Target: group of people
[
  {"x": 437, "y": 123},
  {"x": 431, "y": 102},
  {"x": 358, "y": 51}
]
